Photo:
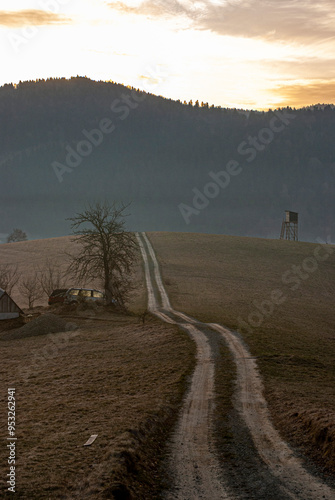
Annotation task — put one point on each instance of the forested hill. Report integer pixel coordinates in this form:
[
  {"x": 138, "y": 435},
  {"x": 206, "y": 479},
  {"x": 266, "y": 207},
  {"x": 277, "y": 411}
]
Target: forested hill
[{"x": 184, "y": 167}]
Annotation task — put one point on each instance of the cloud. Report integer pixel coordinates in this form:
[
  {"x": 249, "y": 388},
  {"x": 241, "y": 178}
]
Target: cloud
[
  {"x": 153, "y": 8},
  {"x": 18, "y": 19},
  {"x": 274, "y": 20},
  {"x": 151, "y": 80},
  {"x": 299, "y": 95},
  {"x": 299, "y": 69}
]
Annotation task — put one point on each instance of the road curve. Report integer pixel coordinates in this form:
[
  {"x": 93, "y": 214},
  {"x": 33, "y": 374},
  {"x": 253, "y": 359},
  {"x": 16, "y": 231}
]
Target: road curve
[{"x": 195, "y": 467}]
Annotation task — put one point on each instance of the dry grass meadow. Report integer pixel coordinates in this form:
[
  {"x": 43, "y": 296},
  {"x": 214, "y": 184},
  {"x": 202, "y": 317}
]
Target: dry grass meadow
[
  {"x": 112, "y": 376},
  {"x": 227, "y": 279},
  {"x": 30, "y": 256},
  {"x": 124, "y": 381}
]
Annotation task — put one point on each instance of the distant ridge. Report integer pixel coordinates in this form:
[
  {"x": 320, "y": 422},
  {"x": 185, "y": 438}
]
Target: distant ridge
[{"x": 65, "y": 143}]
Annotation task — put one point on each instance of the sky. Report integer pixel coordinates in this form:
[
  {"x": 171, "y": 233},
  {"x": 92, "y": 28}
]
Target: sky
[{"x": 249, "y": 54}]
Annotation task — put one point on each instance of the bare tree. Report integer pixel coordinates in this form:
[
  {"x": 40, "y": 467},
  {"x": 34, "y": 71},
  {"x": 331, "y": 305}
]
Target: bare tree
[
  {"x": 106, "y": 251},
  {"x": 16, "y": 235},
  {"x": 50, "y": 277},
  {"x": 30, "y": 289},
  {"x": 9, "y": 277}
]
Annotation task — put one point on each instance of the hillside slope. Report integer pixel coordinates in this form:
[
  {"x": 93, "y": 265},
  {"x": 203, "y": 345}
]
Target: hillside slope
[{"x": 67, "y": 142}]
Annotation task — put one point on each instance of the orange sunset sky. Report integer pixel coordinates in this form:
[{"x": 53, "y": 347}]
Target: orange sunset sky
[{"x": 255, "y": 54}]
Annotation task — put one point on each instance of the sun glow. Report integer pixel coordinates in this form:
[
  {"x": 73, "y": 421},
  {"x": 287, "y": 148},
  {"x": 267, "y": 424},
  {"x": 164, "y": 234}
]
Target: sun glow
[{"x": 171, "y": 53}]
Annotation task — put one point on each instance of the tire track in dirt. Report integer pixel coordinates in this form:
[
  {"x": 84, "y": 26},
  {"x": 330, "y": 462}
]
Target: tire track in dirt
[
  {"x": 296, "y": 482},
  {"x": 192, "y": 464},
  {"x": 195, "y": 468}
]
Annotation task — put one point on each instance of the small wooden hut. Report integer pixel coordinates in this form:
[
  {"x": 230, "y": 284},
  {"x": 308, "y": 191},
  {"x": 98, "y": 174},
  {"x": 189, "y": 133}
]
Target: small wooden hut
[{"x": 8, "y": 308}]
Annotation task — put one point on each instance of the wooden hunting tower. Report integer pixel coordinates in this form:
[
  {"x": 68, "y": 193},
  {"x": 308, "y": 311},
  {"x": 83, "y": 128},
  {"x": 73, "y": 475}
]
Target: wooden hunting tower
[{"x": 289, "y": 228}]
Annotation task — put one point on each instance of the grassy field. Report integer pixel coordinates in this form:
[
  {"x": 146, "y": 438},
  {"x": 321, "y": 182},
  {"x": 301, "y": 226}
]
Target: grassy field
[
  {"x": 111, "y": 380},
  {"x": 29, "y": 255},
  {"x": 124, "y": 381},
  {"x": 32, "y": 256},
  {"x": 285, "y": 314},
  {"x": 113, "y": 376}
]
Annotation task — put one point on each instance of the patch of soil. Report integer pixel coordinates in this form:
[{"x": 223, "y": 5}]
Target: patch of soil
[
  {"x": 43, "y": 325},
  {"x": 80, "y": 307},
  {"x": 132, "y": 470},
  {"x": 10, "y": 324}
]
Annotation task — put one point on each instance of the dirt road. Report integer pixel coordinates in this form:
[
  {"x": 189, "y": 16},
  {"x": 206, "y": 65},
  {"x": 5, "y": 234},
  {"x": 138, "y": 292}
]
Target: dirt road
[{"x": 194, "y": 468}]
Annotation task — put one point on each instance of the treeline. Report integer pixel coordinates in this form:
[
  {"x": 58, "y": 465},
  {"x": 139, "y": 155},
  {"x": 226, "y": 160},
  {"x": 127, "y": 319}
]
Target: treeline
[{"x": 157, "y": 152}]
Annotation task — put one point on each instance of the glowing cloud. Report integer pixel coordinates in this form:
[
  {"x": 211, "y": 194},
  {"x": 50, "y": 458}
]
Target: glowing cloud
[
  {"x": 17, "y": 19},
  {"x": 304, "y": 94},
  {"x": 265, "y": 19}
]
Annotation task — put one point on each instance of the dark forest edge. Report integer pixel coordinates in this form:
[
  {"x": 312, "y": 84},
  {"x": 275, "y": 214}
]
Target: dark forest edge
[{"x": 235, "y": 170}]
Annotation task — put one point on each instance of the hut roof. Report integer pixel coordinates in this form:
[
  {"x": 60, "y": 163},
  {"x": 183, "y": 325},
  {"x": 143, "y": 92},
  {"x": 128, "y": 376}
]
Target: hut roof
[{"x": 4, "y": 294}]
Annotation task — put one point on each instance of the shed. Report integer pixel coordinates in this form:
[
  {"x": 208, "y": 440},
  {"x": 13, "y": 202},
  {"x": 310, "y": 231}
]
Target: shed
[
  {"x": 291, "y": 216},
  {"x": 8, "y": 308}
]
